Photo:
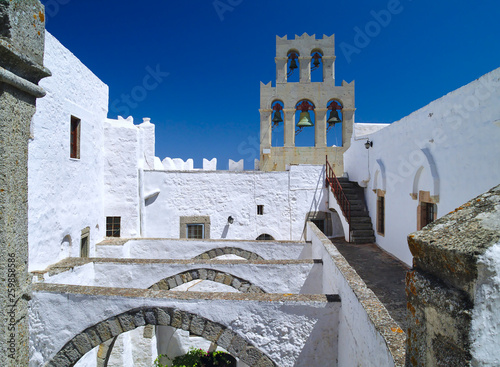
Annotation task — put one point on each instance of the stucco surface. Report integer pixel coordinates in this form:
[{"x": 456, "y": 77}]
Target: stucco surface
[
  {"x": 65, "y": 194},
  {"x": 447, "y": 148},
  {"x": 287, "y": 198},
  {"x": 286, "y": 328},
  {"x": 190, "y": 248}
]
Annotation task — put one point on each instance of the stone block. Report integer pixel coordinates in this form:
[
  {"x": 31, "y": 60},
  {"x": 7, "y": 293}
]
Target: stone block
[
  {"x": 265, "y": 362},
  {"x": 176, "y": 320},
  {"x": 82, "y": 343},
  {"x": 178, "y": 279},
  {"x": 150, "y": 316},
  {"x": 211, "y": 275},
  {"x": 104, "y": 331},
  {"x": 202, "y": 273},
  {"x": 138, "y": 318},
  {"x": 163, "y": 285},
  {"x": 60, "y": 360},
  {"x": 219, "y": 277},
  {"x": 228, "y": 279},
  {"x": 237, "y": 345},
  {"x": 212, "y": 331},
  {"x": 212, "y": 254},
  {"x": 171, "y": 283},
  {"x": 197, "y": 325},
  {"x": 93, "y": 336},
  {"x": 71, "y": 352},
  {"x": 236, "y": 284},
  {"x": 163, "y": 317},
  {"x": 251, "y": 355},
  {"x": 225, "y": 339},
  {"x": 114, "y": 326},
  {"x": 126, "y": 322}
]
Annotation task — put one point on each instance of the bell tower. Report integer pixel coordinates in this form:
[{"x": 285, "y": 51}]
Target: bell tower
[{"x": 321, "y": 104}]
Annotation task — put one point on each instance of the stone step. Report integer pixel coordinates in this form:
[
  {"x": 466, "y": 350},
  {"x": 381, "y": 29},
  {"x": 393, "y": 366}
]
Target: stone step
[
  {"x": 362, "y": 232},
  {"x": 361, "y": 226},
  {"x": 358, "y": 213},
  {"x": 362, "y": 239}
]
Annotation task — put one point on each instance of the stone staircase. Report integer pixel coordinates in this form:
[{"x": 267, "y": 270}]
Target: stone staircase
[{"x": 361, "y": 224}]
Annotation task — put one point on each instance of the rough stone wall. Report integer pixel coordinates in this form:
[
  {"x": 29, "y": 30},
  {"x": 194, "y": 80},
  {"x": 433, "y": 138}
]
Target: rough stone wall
[
  {"x": 453, "y": 290},
  {"x": 21, "y": 67}
]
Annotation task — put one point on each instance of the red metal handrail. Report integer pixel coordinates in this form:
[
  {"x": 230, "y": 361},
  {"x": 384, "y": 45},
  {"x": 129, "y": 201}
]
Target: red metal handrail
[{"x": 333, "y": 182}]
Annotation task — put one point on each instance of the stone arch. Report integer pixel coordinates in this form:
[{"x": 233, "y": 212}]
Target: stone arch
[
  {"x": 213, "y": 275},
  {"x": 219, "y": 251},
  {"x": 197, "y": 325}
]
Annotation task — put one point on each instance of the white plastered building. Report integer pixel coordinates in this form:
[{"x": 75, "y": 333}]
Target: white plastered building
[{"x": 90, "y": 176}]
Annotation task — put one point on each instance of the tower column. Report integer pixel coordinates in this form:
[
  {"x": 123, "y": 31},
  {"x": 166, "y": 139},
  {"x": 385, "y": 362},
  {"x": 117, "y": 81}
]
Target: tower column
[
  {"x": 347, "y": 126},
  {"x": 328, "y": 69},
  {"x": 320, "y": 127},
  {"x": 265, "y": 129},
  {"x": 305, "y": 69},
  {"x": 289, "y": 127},
  {"x": 281, "y": 69}
]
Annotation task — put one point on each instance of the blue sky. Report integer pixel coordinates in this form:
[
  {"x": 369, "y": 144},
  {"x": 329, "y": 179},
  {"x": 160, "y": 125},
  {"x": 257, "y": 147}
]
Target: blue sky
[{"x": 208, "y": 57}]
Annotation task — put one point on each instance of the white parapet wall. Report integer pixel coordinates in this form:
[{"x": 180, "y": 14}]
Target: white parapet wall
[
  {"x": 285, "y": 199},
  {"x": 187, "y": 249},
  {"x": 65, "y": 194},
  {"x": 446, "y": 151},
  {"x": 368, "y": 336}
]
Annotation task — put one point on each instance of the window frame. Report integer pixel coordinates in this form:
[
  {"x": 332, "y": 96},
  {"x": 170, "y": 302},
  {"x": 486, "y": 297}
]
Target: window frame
[
  {"x": 195, "y": 225},
  {"x": 75, "y": 137},
  {"x": 260, "y": 209},
  {"x": 113, "y": 225},
  {"x": 381, "y": 211}
]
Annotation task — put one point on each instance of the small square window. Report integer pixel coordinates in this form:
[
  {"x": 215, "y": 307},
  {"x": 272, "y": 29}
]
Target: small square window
[
  {"x": 260, "y": 209},
  {"x": 75, "y": 138},
  {"x": 195, "y": 230},
  {"x": 113, "y": 226}
]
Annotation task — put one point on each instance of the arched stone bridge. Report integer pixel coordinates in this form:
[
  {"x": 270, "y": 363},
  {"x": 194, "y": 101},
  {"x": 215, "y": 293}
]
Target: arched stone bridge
[{"x": 249, "y": 325}]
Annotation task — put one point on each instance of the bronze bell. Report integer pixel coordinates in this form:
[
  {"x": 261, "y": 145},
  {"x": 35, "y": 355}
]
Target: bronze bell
[
  {"x": 277, "y": 117},
  {"x": 304, "y": 120},
  {"x": 334, "y": 117},
  {"x": 293, "y": 64}
]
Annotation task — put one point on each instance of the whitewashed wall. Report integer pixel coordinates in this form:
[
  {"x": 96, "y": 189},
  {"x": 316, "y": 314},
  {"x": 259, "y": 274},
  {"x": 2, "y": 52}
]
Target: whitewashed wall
[
  {"x": 362, "y": 316},
  {"x": 65, "y": 194},
  {"x": 287, "y": 198},
  {"x": 449, "y": 147}
]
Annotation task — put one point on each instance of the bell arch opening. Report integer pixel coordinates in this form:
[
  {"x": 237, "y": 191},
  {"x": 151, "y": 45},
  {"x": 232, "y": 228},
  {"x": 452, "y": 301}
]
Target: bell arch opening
[
  {"x": 278, "y": 124},
  {"x": 334, "y": 123},
  {"x": 304, "y": 123}
]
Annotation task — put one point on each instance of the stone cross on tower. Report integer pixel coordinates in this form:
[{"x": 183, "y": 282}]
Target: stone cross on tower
[{"x": 301, "y": 55}]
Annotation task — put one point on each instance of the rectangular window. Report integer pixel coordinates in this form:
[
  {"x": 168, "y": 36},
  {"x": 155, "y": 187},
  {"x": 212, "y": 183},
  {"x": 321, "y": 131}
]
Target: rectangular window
[
  {"x": 260, "y": 209},
  {"x": 75, "y": 138},
  {"x": 428, "y": 213},
  {"x": 113, "y": 226},
  {"x": 381, "y": 215},
  {"x": 195, "y": 230}
]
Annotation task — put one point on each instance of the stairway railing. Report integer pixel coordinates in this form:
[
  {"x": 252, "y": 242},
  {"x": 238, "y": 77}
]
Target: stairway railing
[{"x": 334, "y": 183}]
